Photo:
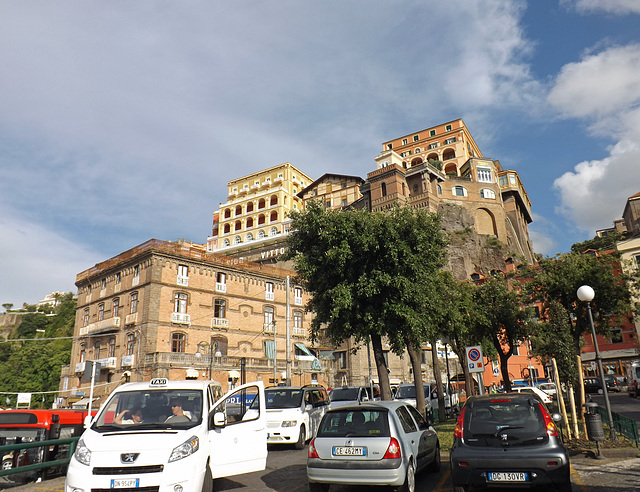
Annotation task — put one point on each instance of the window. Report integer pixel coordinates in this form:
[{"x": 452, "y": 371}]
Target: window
[
  {"x": 486, "y": 193},
  {"x": 261, "y": 203},
  {"x": 178, "y": 342},
  {"x": 118, "y": 278},
  {"x": 112, "y": 347},
  {"x": 221, "y": 282},
  {"x": 439, "y": 190},
  {"x": 389, "y": 146},
  {"x": 274, "y": 200},
  {"x": 104, "y": 283},
  {"x": 484, "y": 174},
  {"x": 268, "y": 289},
  {"x": 344, "y": 202},
  {"x": 432, "y": 133},
  {"x": 237, "y": 240},
  {"x": 227, "y": 213},
  {"x": 297, "y": 319},
  {"x": 327, "y": 203},
  {"x": 227, "y": 228},
  {"x": 180, "y": 302},
  {"x": 96, "y": 350},
  {"x": 226, "y": 243},
  {"x": 342, "y": 359},
  {"x": 250, "y": 223},
  {"x": 616, "y": 336},
  {"x": 249, "y": 206},
  {"x": 238, "y": 226},
  {"x": 459, "y": 191},
  {"x": 134, "y": 302},
  {"x": 297, "y": 296},
  {"x": 261, "y": 219},
  {"x": 447, "y": 128},
  {"x": 273, "y": 231},
  {"x": 516, "y": 350},
  {"x": 101, "y": 311},
  {"x": 384, "y": 189},
  {"x": 637, "y": 258},
  {"x": 433, "y": 145},
  {"x": 249, "y": 237},
  {"x": 405, "y": 141},
  {"x": 273, "y": 217},
  {"x": 219, "y": 308},
  {"x": 261, "y": 234},
  {"x": 238, "y": 210},
  {"x": 83, "y": 353},
  {"x": 450, "y": 140},
  {"x": 131, "y": 343},
  {"x": 269, "y": 316},
  {"x": 85, "y": 317},
  {"x": 416, "y": 138},
  {"x": 183, "y": 275},
  {"x": 116, "y": 306}
]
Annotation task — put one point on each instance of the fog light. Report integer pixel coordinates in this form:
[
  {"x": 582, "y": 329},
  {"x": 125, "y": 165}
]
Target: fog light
[{"x": 177, "y": 488}]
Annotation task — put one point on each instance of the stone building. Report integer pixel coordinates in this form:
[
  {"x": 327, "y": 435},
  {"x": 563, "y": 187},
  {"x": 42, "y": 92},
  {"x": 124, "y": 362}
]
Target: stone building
[{"x": 174, "y": 310}]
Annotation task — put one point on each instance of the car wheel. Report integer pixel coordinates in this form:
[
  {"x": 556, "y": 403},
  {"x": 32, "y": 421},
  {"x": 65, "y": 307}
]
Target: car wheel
[
  {"x": 565, "y": 487},
  {"x": 318, "y": 487},
  {"x": 460, "y": 488},
  {"x": 600, "y": 391},
  {"x": 7, "y": 464},
  {"x": 434, "y": 466},
  {"x": 207, "y": 485},
  {"x": 302, "y": 438},
  {"x": 409, "y": 484}
]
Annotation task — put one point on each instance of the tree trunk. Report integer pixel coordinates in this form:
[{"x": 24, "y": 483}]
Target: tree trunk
[
  {"x": 414, "y": 356},
  {"x": 504, "y": 370},
  {"x": 438, "y": 378},
  {"x": 381, "y": 367}
]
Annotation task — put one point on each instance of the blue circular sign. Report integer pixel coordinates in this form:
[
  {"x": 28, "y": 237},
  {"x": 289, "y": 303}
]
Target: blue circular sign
[{"x": 474, "y": 355}]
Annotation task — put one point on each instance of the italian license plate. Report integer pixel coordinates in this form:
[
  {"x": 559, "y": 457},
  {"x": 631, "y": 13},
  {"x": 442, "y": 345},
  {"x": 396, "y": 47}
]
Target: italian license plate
[
  {"x": 349, "y": 451},
  {"x": 508, "y": 477},
  {"x": 119, "y": 483}
]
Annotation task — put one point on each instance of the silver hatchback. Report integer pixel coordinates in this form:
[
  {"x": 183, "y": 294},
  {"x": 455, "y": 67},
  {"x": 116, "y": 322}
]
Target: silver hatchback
[{"x": 375, "y": 443}]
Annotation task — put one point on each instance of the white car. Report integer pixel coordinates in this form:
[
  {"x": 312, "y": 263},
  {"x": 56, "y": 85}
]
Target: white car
[
  {"x": 212, "y": 438},
  {"x": 546, "y": 399},
  {"x": 294, "y": 413},
  {"x": 549, "y": 388}
]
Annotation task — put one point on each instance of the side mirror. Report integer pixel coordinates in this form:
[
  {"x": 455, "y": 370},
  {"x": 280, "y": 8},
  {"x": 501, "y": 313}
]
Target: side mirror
[
  {"x": 308, "y": 407},
  {"x": 87, "y": 421},
  {"x": 219, "y": 420}
]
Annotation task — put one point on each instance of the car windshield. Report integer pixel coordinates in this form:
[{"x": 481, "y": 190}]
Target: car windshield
[
  {"x": 283, "y": 398},
  {"x": 352, "y": 423},
  {"x": 344, "y": 394},
  {"x": 409, "y": 391},
  {"x": 504, "y": 422},
  {"x": 151, "y": 409}
]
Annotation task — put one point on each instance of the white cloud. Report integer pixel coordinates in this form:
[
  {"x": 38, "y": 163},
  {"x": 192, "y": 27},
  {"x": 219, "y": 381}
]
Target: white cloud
[
  {"x": 600, "y": 84},
  {"x": 620, "y": 7},
  {"x": 36, "y": 261}
]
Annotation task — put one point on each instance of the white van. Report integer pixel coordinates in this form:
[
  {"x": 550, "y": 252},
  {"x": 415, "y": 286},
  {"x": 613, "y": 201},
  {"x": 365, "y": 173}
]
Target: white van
[{"x": 188, "y": 435}]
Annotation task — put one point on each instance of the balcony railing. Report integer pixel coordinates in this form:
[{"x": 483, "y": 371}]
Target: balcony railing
[
  {"x": 109, "y": 324},
  {"x": 128, "y": 360},
  {"x": 219, "y": 323},
  {"x": 181, "y": 318},
  {"x": 182, "y": 280},
  {"x": 221, "y": 287},
  {"x": 131, "y": 319}
]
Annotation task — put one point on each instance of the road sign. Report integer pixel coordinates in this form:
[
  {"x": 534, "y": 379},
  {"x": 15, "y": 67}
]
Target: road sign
[{"x": 474, "y": 358}]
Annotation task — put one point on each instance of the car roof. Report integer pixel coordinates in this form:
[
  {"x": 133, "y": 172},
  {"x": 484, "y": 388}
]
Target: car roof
[
  {"x": 515, "y": 396},
  {"x": 186, "y": 384},
  {"x": 371, "y": 405}
]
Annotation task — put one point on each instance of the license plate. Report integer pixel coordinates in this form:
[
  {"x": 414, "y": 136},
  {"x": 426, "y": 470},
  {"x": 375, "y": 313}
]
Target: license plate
[
  {"x": 119, "y": 483},
  {"x": 349, "y": 451},
  {"x": 508, "y": 477}
]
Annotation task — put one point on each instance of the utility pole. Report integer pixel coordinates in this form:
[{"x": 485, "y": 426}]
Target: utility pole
[{"x": 288, "y": 334}]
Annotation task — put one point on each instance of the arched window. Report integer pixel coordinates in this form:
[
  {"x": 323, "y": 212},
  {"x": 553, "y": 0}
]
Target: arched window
[
  {"x": 112, "y": 347},
  {"x": 260, "y": 234},
  {"x": 439, "y": 190},
  {"x": 269, "y": 313},
  {"x": 238, "y": 225},
  {"x": 238, "y": 210},
  {"x": 237, "y": 240},
  {"x": 448, "y": 154},
  {"x": 274, "y": 200},
  {"x": 101, "y": 311},
  {"x": 178, "y": 341},
  {"x": 83, "y": 353},
  {"x": 131, "y": 343},
  {"x": 134, "y": 302},
  {"x": 459, "y": 191},
  {"x": 249, "y": 206},
  {"x": 273, "y": 217},
  {"x": 227, "y": 228},
  {"x": 261, "y": 219},
  {"x": 227, "y": 213},
  {"x": 249, "y": 237},
  {"x": 116, "y": 307},
  {"x": 96, "y": 350},
  {"x": 219, "y": 308},
  {"x": 226, "y": 243},
  {"x": 85, "y": 317},
  {"x": 180, "y": 302},
  {"x": 261, "y": 204},
  {"x": 249, "y": 222},
  {"x": 487, "y": 193},
  {"x": 384, "y": 189},
  {"x": 273, "y": 231}
]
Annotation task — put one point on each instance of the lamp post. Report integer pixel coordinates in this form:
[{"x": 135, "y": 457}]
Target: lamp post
[{"x": 586, "y": 294}]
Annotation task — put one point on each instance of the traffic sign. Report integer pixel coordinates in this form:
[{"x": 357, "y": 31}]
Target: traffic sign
[{"x": 474, "y": 358}]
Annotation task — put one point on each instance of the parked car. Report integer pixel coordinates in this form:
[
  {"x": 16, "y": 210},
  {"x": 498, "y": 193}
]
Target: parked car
[
  {"x": 294, "y": 413},
  {"x": 375, "y": 443},
  {"x": 533, "y": 390},
  {"x": 508, "y": 440},
  {"x": 407, "y": 393},
  {"x": 346, "y": 395},
  {"x": 550, "y": 389},
  {"x": 594, "y": 385},
  {"x": 612, "y": 383}
]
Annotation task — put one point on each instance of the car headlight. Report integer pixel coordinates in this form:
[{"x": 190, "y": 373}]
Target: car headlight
[
  {"x": 82, "y": 453},
  {"x": 289, "y": 423},
  {"x": 185, "y": 449}
]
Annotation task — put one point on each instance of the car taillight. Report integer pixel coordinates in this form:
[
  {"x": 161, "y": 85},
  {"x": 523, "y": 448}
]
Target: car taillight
[
  {"x": 457, "y": 432},
  {"x": 393, "y": 451},
  {"x": 549, "y": 424},
  {"x": 312, "y": 449}
]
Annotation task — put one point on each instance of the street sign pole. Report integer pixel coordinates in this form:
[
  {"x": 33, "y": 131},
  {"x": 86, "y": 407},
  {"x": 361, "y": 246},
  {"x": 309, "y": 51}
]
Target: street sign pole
[{"x": 475, "y": 363}]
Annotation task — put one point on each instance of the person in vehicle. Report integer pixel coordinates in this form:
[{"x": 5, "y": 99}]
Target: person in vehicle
[
  {"x": 135, "y": 415},
  {"x": 179, "y": 414}
]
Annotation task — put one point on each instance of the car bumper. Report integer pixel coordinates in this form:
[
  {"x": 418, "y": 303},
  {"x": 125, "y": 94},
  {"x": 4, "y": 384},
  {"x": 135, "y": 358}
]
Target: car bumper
[
  {"x": 471, "y": 466},
  {"x": 283, "y": 435},
  {"x": 379, "y": 472}
]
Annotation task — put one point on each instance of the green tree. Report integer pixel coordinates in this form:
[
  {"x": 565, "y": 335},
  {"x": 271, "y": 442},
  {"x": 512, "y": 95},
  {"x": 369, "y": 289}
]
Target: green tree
[
  {"x": 368, "y": 274},
  {"x": 501, "y": 319}
]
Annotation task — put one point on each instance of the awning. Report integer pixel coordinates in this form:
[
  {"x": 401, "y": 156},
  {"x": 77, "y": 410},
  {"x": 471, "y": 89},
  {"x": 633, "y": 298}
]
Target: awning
[
  {"x": 304, "y": 348},
  {"x": 234, "y": 374},
  {"x": 326, "y": 355},
  {"x": 192, "y": 373},
  {"x": 83, "y": 403}
]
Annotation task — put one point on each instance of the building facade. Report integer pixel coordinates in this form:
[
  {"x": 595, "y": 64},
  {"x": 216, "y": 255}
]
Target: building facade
[{"x": 175, "y": 310}]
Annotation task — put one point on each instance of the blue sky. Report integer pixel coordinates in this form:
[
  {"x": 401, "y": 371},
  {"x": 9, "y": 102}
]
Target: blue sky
[{"x": 124, "y": 121}]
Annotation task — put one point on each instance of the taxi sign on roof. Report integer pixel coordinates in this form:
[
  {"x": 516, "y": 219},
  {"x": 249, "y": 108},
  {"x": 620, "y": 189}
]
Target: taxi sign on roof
[{"x": 158, "y": 382}]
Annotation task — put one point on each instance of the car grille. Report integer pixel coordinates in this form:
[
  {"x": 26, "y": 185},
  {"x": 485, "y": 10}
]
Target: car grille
[{"x": 127, "y": 470}]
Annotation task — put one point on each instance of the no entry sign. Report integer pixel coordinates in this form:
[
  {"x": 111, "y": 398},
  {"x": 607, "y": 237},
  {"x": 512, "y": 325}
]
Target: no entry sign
[{"x": 474, "y": 359}]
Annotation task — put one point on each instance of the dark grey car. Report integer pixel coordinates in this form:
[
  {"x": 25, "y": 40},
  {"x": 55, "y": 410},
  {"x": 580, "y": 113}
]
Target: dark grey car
[{"x": 508, "y": 440}]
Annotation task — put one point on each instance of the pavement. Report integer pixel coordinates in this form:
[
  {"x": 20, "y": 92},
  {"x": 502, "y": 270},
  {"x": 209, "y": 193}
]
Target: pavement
[{"x": 617, "y": 470}]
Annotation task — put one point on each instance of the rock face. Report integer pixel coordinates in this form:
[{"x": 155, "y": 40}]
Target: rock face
[{"x": 470, "y": 252}]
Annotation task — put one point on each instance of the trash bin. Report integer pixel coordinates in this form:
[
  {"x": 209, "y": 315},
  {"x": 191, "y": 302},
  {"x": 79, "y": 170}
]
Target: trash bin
[{"x": 593, "y": 420}]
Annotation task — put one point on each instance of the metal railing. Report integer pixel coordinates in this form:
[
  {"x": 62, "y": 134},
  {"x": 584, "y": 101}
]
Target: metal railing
[
  {"x": 39, "y": 444},
  {"x": 622, "y": 425}
]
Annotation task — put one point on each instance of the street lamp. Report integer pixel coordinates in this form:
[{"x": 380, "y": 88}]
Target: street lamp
[{"x": 586, "y": 294}]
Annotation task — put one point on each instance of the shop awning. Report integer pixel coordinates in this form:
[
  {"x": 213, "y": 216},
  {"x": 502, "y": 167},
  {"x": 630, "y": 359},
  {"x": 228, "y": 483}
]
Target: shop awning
[
  {"x": 83, "y": 403},
  {"x": 304, "y": 348}
]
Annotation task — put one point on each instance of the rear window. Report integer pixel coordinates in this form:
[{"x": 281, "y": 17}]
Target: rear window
[
  {"x": 283, "y": 398},
  {"x": 344, "y": 394},
  {"x": 503, "y": 422},
  {"x": 352, "y": 423}
]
